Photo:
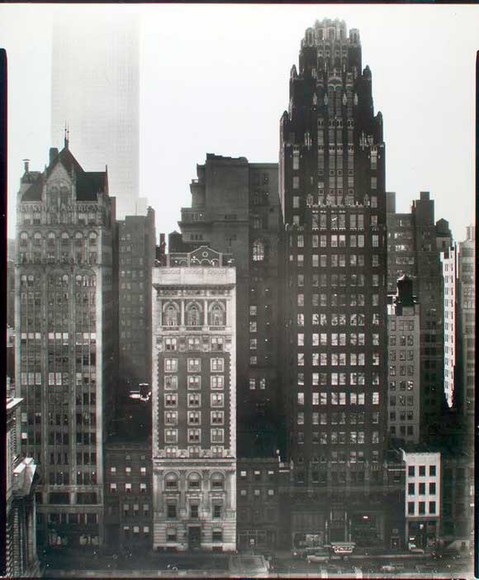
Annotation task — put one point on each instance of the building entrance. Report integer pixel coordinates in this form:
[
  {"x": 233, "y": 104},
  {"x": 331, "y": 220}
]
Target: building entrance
[{"x": 194, "y": 537}]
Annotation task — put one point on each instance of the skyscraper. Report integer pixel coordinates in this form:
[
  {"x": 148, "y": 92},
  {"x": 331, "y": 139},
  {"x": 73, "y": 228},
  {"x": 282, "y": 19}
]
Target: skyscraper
[
  {"x": 95, "y": 93},
  {"x": 194, "y": 402},
  {"x": 65, "y": 355},
  {"x": 332, "y": 191}
]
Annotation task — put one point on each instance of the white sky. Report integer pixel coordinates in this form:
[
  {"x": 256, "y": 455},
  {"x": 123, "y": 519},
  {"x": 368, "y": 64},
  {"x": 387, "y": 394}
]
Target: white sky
[{"x": 215, "y": 79}]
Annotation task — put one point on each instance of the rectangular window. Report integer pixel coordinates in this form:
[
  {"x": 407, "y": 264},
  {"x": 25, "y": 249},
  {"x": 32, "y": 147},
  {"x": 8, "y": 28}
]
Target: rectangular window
[
  {"x": 217, "y": 365},
  {"x": 194, "y": 365},
  {"x": 171, "y": 365},
  {"x": 194, "y": 382},
  {"x": 217, "y": 382}
]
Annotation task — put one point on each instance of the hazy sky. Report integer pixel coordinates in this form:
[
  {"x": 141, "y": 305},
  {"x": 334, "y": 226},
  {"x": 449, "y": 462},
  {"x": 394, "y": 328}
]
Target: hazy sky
[{"x": 214, "y": 79}]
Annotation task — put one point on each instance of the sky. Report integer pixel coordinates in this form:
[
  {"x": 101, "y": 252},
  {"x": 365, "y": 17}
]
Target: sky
[{"x": 215, "y": 79}]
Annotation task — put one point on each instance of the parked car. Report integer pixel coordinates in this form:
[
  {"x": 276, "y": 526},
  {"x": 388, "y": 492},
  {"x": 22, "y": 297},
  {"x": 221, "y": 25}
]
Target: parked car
[
  {"x": 416, "y": 550},
  {"x": 318, "y": 556}
]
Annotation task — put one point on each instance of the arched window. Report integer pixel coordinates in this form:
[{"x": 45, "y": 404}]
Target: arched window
[
  {"x": 37, "y": 239},
  {"x": 170, "y": 316},
  {"x": 78, "y": 239},
  {"x": 24, "y": 239},
  {"x": 92, "y": 237},
  {"x": 217, "y": 481},
  {"x": 217, "y": 315},
  {"x": 65, "y": 238},
  {"x": 171, "y": 481},
  {"x": 193, "y": 315},
  {"x": 194, "y": 481},
  {"x": 258, "y": 251}
]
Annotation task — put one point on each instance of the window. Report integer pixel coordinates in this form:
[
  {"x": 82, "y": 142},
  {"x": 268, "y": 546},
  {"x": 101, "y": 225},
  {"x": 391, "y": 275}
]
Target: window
[
  {"x": 170, "y": 344},
  {"x": 217, "y": 536},
  {"x": 258, "y": 251},
  {"x": 171, "y": 316},
  {"x": 217, "y": 343},
  {"x": 171, "y": 512},
  {"x": 432, "y": 507},
  {"x": 217, "y": 511},
  {"x": 410, "y": 508},
  {"x": 171, "y": 365},
  {"x": 217, "y": 315},
  {"x": 217, "y": 400},
  {"x": 217, "y": 382},
  {"x": 171, "y": 382},
  {"x": 194, "y": 510},
  {"x": 194, "y": 365},
  {"x": 194, "y": 481},
  {"x": 422, "y": 508},
  {"x": 422, "y": 470},
  {"x": 217, "y": 365},
  {"x": 194, "y": 435},
  {"x": 193, "y": 315},
  {"x": 171, "y": 481},
  {"x": 194, "y": 382},
  {"x": 432, "y": 470}
]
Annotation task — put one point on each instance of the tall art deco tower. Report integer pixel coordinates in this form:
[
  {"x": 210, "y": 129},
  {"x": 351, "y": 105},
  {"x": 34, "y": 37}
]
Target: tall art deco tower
[{"x": 332, "y": 189}]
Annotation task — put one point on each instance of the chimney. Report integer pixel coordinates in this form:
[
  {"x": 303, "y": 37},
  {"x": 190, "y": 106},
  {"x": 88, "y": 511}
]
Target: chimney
[
  {"x": 26, "y": 165},
  {"x": 53, "y": 154}
]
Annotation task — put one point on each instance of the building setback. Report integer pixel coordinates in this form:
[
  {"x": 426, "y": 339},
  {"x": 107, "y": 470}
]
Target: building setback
[
  {"x": 65, "y": 356},
  {"x": 404, "y": 387},
  {"x": 334, "y": 209},
  {"x": 414, "y": 246},
  {"x": 194, "y": 402},
  {"x": 235, "y": 209}
]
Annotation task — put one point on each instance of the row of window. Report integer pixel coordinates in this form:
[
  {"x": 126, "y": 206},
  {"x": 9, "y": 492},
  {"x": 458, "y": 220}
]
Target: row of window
[
  {"x": 343, "y": 438},
  {"x": 342, "y": 398},
  {"x": 421, "y": 508},
  {"x": 339, "y": 241},
  {"x": 194, "y": 481},
  {"x": 216, "y": 343},
  {"x": 420, "y": 470},
  {"x": 194, "y": 436},
  {"x": 172, "y": 534},
  {"x": 194, "y": 400},
  {"x": 128, "y": 470},
  {"x": 338, "y": 359},
  {"x": 401, "y": 401},
  {"x": 194, "y": 417},
  {"x": 128, "y": 488},
  {"x": 194, "y": 314},
  {"x": 338, "y": 319},
  {"x": 338, "y": 299},
  {"x": 337, "y": 339},
  {"x": 217, "y": 382},
  {"x": 51, "y": 237},
  {"x": 326, "y": 379},
  {"x": 193, "y": 365}
]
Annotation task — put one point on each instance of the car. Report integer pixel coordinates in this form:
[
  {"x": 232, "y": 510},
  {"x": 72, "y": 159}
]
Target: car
[
  {"x": 416, "y": 550},
  {"x": 319, "y": 556},
  {"x": 388, "y": 568}
]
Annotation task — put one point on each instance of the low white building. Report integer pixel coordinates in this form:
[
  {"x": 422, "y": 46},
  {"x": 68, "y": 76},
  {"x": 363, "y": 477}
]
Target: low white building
[{"x": 422, "y": 498}]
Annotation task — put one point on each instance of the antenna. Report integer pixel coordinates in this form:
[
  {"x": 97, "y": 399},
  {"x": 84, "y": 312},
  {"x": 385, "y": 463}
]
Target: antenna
[{"x": 67, "y": 135}]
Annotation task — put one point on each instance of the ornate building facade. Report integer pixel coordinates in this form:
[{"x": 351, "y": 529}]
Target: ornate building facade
[
  {"x": 65, "y": 360},
  {"x": 194, "y": 402}
]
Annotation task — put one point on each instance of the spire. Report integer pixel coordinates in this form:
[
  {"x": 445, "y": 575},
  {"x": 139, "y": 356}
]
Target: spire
[{"x": 67, "y": 135}]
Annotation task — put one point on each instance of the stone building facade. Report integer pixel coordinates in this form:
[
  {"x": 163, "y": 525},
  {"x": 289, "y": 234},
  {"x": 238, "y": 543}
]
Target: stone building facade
[
  {"x": 65, "y": 346},
  {"x": 194, "y": 402}
]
